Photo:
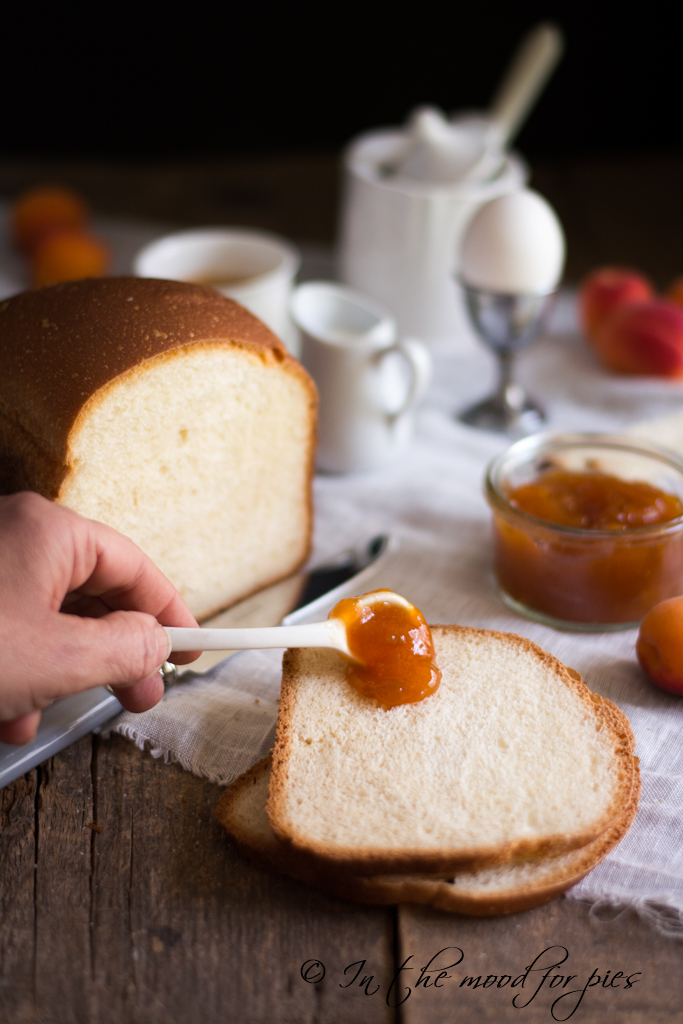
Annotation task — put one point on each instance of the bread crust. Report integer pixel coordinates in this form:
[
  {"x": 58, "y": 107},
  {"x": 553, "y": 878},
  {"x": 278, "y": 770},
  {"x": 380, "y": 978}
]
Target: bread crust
[
  {"x": 379, "y": 861},
  {"x": 62, "y": 346},
  {"x": 269, "y": 852}
]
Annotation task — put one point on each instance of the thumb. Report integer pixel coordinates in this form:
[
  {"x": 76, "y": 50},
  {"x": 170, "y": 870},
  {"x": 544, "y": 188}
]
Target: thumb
[
  {"x": 20, "y": 730},
  {"x": 118, "y": 649}
]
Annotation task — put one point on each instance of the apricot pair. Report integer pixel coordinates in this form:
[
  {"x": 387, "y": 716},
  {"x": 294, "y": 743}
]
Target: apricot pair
[
  {"x": 50, "y": 226},
  {"x": 631, "y": 330}
]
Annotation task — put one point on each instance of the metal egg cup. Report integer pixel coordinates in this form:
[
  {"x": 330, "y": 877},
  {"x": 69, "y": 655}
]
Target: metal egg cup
[{"x": 506, "y": 324}]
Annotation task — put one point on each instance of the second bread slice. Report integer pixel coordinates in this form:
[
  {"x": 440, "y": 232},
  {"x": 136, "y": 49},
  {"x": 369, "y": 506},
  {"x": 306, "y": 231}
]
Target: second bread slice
[
  {"x": 497, "y": 890},
  {"x": 512, "y": 757}
]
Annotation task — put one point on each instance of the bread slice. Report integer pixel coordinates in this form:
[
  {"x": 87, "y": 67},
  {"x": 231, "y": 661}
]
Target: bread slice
[
  {"x": 513, "y": 757},
  {"x": 489, "y": 891},
  {"x": 170, "y": 413}
]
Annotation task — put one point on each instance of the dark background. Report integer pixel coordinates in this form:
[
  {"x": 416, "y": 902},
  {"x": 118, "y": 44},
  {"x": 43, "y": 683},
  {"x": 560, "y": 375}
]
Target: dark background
[
  {"x": 236, "y": 114},
  {"x": 155, "y": 81}
]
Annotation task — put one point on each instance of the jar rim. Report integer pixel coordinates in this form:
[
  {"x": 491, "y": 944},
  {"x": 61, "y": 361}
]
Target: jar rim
[{"x": 529, "y": 447}]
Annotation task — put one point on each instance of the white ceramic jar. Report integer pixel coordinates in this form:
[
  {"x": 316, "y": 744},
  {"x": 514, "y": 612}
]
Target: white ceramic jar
[{"x": 400, "y": 238}]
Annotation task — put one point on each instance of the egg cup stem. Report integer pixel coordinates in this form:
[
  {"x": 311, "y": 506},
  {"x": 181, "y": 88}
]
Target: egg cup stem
[{"x": 506, "y": 324}]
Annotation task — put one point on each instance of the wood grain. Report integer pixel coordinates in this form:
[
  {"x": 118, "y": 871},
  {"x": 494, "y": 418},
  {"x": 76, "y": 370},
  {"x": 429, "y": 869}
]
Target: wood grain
[
  {"x": 505, "y": 947},
  {"x": 152, "y": 916},
  {"x": 64, "y": 844},
  {"x": 156, "y": 917},
  {"x": 17, "y": 898}
]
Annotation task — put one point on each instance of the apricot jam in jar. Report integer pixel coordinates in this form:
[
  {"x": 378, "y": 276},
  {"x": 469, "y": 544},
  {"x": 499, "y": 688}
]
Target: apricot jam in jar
[{"x": 587, "y": 529}]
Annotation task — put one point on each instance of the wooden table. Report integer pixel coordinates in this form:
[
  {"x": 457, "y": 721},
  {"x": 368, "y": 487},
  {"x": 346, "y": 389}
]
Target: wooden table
[{"x": 121, "y": 898}]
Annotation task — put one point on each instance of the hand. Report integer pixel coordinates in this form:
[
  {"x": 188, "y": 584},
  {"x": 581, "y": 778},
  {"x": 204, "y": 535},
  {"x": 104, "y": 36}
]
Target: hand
[{"x": 80, "y": 606}]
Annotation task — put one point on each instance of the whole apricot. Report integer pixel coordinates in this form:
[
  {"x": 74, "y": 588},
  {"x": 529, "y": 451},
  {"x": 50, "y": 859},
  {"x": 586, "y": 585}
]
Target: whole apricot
[
  {"x": 605, "y": 289},
  {"x": 69, "y": 256},
  {"x": 659, "y": 647},
  {"x": 42, "y": 211},
  {"x": 644, "y": 338}
]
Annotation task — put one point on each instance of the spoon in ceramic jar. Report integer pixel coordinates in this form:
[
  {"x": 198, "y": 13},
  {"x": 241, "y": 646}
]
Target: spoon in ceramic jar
[
  {"x": 331, "y": 633},
  {"x": 470, "y": 147}
]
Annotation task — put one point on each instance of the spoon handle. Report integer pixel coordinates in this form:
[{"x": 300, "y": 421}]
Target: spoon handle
[
  {"x": 330, "y": 633},
  {"x": 531, "y": 67}
]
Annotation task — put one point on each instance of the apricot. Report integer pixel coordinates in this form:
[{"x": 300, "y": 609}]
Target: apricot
[
  {"x": 69, "y": 256},
  {"x": 42, "y": 211},
  {"x": 605, "y": 289},
  {"x": 659, "y": 647},
  {"x": 644, "y": 338}
]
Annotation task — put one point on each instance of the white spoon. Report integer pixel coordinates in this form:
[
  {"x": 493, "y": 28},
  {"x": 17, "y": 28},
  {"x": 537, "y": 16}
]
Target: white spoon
[
  {"x": 531, "y": 67},
  {"x": 330, "y": 633}
]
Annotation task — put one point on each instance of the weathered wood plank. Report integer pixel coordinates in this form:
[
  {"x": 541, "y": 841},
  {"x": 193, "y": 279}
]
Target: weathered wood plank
[
  {"x": 186, "y": 930},
  {"x": 44, "y": 931},
  {"x": 63, "y": 988},
  {"x": 158, "y": 918},
  {"x": 507, "y": 946},
  {"x": 17, "y": 875}
]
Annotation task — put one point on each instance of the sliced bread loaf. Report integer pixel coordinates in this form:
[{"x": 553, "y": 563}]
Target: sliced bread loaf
[
  {"x": 170, "y": 413},
  {"x": 513, "y": 757},
  {"x": 496, "y": 890}
]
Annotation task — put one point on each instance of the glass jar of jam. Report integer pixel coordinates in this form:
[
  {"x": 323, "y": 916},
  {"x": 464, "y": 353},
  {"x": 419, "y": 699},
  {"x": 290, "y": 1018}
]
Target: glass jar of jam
[{"x": 587, "y": 529}]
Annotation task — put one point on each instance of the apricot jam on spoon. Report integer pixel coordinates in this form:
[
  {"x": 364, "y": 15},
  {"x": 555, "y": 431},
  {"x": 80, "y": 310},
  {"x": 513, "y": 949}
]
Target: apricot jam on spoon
[
  {"x": 392, "y": 647},
  {"x": 383, "y": 637}
]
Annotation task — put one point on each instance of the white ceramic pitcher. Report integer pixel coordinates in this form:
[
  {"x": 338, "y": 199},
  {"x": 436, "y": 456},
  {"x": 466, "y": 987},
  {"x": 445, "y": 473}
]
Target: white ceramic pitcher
[{"x": 369, "y": 381}]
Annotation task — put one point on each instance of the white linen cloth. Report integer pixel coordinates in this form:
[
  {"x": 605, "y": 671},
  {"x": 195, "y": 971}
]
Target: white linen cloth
[{"x": 432, "y": 501}]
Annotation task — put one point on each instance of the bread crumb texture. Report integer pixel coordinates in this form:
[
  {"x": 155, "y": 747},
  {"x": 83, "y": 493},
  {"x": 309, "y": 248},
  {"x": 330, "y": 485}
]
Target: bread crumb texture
[{"x": 510, "y": 755}]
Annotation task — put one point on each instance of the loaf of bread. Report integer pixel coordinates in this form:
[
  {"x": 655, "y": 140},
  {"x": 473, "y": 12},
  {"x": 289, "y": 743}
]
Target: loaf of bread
[
  {"x": 511, "y": 758},
  {"x": 504, "y": 889},
  {"x": 170, "y": 413}
]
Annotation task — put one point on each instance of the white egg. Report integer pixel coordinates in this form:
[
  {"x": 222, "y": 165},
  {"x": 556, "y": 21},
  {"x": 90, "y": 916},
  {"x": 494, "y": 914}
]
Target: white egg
[{"x": 514, "y": 244}]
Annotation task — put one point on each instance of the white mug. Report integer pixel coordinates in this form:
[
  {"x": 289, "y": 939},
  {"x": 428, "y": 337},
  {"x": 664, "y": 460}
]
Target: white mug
[
  {"x": 255, "y": 268},
  {"x": 369, "y": 382},
  {"x": 400, "y": 239}
]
